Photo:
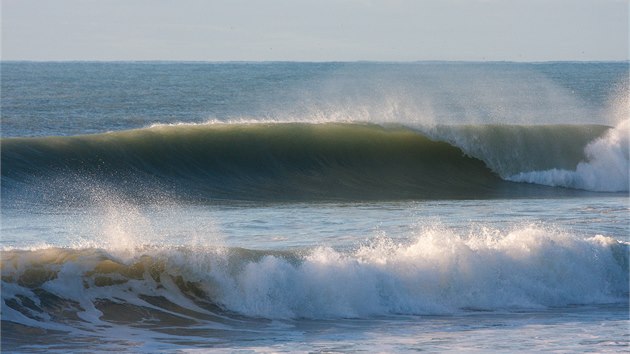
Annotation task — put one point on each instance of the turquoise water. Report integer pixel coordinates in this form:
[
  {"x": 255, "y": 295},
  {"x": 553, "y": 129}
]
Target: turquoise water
[{"x": 289, "y": 207}]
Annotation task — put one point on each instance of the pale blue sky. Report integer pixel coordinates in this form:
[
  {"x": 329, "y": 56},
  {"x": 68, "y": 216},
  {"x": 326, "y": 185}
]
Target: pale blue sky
[{"x": 321, "y": 30}]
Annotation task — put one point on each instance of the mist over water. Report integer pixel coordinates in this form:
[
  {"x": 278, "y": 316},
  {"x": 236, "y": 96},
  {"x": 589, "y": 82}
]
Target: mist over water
[{"x": 76, "y": 98}]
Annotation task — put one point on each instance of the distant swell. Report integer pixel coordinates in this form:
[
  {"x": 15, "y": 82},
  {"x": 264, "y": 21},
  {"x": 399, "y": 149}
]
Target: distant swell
[{"x": 286, "y": 161}]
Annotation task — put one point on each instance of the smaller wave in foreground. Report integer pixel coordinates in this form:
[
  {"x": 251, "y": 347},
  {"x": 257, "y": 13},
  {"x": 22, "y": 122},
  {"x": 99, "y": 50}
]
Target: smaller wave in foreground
[{"x": 439, "y": 272}]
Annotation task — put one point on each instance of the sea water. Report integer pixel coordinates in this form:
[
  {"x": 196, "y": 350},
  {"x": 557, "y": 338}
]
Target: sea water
[{"x": 315, "y": 207}]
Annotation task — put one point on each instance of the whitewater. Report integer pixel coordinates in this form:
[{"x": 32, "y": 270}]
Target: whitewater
[{"x": 299, "y": 207}]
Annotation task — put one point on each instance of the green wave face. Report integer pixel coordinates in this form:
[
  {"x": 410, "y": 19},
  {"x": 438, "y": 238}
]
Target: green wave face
[{"x": 288, "y": 161}]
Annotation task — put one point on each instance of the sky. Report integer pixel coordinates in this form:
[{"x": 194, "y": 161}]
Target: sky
[{"x": 315, "y": 30}]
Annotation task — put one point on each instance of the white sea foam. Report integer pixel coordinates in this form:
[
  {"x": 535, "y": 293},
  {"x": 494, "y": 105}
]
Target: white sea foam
[
  {"x": 605, "y": 170},
  {"x": 439, "y": 272}
]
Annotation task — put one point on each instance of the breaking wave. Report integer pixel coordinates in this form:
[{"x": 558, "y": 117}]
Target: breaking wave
[
  {"x": 287, "y": 161},
  {"x": 605, "y": 169}
]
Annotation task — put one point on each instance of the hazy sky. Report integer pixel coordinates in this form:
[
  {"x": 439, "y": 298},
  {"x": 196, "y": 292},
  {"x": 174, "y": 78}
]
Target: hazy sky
[{"x": 318, "y": 30}]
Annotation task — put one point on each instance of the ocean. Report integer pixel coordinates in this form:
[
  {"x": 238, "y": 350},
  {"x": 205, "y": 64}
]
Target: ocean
[{"x": 315, "y": 207}]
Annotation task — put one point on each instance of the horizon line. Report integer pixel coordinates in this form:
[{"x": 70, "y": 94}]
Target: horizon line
[{"x": 157, "y": 61}]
